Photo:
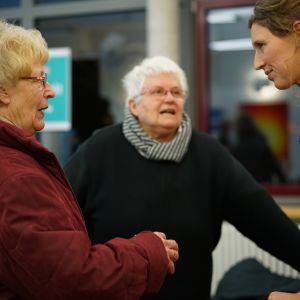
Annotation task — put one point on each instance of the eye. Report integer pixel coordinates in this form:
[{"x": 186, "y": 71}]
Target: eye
[
  {"x": 258, "y": 45},
  {"x": 177, "y": 93},
  {"x": 159, "y": 91}
]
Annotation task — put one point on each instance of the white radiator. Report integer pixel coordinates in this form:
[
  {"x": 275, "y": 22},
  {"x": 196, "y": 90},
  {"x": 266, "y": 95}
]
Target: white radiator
[{"x": 234, "y": 247}]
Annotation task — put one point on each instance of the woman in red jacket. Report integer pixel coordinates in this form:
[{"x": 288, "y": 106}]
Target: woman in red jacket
[{"x": 45, "y": 251}]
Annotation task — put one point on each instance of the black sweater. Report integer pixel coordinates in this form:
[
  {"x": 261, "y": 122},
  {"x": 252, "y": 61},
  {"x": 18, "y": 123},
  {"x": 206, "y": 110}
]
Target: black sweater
[{"x": 122, "y": 193}]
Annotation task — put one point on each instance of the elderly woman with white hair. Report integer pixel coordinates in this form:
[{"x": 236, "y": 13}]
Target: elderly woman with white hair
[{"x": 155, "y": 171}]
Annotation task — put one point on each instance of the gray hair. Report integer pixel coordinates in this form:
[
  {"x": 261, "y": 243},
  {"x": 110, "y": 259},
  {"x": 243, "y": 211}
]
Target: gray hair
[{"x": 133, "y": 81}]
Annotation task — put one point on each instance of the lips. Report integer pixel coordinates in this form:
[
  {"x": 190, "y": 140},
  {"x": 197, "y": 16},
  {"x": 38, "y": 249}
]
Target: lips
[
  {"x": 269, "y": 74},
  {"x": 270, "y": 77},
  {"x": 41, "y": 111},
  {"x": 168, "y": 111}
]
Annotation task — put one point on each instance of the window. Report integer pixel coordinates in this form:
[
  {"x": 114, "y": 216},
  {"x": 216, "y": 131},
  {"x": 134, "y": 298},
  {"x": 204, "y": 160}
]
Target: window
[{"x": 230, "y": 87}]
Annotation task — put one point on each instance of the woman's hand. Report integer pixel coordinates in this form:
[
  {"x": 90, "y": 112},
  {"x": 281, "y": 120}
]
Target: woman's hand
[
  {"x": 284, "y": 296},
  {"x": 172, "y": 251}
]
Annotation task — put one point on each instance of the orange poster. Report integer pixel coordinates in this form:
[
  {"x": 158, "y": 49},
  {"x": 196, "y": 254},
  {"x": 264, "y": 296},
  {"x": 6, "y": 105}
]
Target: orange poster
[{"x": 272, "y": 119}]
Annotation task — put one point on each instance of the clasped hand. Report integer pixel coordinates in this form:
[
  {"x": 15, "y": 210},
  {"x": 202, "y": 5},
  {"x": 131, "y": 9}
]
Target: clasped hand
[{"x": 172, "y": 251}]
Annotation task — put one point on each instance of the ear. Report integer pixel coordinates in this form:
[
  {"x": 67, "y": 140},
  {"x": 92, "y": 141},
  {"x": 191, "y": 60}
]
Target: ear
[
  {"x": 132, "y": 107},
  {"x": 296, "y": 27},
  {"x": 4, "y": 97}
]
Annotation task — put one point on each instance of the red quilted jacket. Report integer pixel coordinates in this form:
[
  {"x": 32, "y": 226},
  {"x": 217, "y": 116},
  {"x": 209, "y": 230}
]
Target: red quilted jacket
[{"x": 45, "y": 252}]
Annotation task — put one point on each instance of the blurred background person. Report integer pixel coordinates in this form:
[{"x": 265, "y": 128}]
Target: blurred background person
[
  {"x": 154, "y": 170},
  {"x": 45, "y": 252},
  {"x": 225, "y": 136},
  {"x": 253, "y": 151},
  {"x": 99, "y": 116}
]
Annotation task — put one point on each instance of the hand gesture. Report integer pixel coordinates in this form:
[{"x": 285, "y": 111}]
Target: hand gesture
[
  {"x": 172, "y": 250},
  {"x": 284, "y": 296}
]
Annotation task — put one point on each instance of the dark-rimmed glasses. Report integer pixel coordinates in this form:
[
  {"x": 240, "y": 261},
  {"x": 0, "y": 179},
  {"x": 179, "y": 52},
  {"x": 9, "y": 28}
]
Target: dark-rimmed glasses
[{"x": 42, "y": 79}]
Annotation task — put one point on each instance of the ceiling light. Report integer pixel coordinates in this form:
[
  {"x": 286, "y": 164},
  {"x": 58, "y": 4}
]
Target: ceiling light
[
  {"x": 228, "y": 15},
  {"x": 231, "y": 45}
]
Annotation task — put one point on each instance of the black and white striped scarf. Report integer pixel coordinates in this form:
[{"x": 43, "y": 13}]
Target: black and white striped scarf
[{"x": 151, "y": 149}]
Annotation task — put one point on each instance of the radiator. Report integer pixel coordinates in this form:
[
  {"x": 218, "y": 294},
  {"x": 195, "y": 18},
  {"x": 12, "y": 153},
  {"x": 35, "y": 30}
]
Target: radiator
[{"x": 234, "y": 247}]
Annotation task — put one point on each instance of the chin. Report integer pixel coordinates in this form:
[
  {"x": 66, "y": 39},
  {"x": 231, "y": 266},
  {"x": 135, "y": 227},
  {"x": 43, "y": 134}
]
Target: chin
[
  {"x": 39, "y": 127},
  {"x": 171, "y": 127},
  {"x": 282, "y": 84},
  {"x": 172, "y": 123},
  {"x": 282, "y": 87}
]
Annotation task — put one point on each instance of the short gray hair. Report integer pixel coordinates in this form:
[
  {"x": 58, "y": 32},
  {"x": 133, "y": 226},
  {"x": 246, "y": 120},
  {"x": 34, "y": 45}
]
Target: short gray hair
[{"x": 133, "y": 81}]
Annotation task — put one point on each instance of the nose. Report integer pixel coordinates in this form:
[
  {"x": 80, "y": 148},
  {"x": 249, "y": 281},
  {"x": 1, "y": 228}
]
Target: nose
[
  {"x": 258, "y": 62},
  {"x": 49, "y": 91},
  {"x": 169, "y": 96}
]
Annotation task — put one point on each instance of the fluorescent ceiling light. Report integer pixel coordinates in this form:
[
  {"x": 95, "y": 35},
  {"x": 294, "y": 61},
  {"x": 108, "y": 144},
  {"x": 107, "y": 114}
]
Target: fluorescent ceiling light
[
  {"x": 228, "y": 15},
  {"x": 231, "y": 45},
  {"x": 220, "y": 18}
]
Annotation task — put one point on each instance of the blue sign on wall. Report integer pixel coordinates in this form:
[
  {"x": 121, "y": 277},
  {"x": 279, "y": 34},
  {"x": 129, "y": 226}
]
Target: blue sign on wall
[{"x": 58, "y": 114}]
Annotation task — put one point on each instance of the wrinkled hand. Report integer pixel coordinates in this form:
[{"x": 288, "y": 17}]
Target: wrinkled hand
[
  {"x": 172, "y": 251},
  {"x": 284, "y": 296}
]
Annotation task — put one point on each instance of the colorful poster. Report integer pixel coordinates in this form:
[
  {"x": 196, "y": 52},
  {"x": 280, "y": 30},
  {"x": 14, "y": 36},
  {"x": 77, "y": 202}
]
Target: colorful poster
[{"x": 272, "y": 119}]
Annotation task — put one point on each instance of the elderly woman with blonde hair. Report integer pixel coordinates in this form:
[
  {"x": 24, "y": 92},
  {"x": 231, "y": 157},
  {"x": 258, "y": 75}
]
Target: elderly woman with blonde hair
[{"x": 45, "y": 251}]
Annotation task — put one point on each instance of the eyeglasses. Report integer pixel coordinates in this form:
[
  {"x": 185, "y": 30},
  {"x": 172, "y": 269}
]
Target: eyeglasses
[
  {"x": 43, "y": 79},
  {"x": 160, "y": 92}
]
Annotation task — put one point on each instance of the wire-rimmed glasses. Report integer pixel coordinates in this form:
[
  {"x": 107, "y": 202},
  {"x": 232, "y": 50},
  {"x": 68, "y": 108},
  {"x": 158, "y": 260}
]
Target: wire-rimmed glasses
[
  {"x": 160, "y": 92},
  {"x": 43, "y": 79}
]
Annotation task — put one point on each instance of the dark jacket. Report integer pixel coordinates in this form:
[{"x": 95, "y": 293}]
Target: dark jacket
[
  {"x": 45, "y": 252},
  {"x": 251, "y": 280},
  {"x": 121, "y": 192}
]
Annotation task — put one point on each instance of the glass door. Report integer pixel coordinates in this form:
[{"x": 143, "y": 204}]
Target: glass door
[{"x": 232, "y": 95}]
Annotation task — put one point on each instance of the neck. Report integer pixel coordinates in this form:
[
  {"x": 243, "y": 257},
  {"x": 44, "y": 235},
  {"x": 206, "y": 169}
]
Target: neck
[{"x": 4, "y": 119}]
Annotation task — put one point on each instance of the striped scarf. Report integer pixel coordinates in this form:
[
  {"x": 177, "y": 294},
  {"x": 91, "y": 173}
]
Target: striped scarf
[{"x": 151, "y": 149}]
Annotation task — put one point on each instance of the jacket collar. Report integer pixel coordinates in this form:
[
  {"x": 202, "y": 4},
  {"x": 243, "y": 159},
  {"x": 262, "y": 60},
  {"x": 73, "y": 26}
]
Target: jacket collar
[{"x": 12, "y": 136}]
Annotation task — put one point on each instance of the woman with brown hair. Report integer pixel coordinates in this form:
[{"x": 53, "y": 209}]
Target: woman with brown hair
[{"x": 275, "y": 33}]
